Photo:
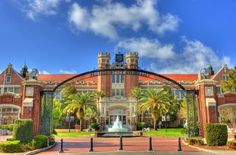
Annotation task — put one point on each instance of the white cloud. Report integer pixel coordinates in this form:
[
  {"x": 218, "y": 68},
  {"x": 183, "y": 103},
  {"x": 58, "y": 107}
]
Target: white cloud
[
  {"x": 148, "y": 48},
  {"x": 105, "y": 19},
  {"x": 194, "y": 57},
  {"x": 67, "y": 71},
  {"x": 191, "y": 58},
  {"x": 44, "y": 72},
  {"x": 34, "y": 8}
]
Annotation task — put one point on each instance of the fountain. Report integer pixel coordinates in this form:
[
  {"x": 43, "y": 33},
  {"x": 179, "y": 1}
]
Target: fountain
[{"x": 117, "y": 126}]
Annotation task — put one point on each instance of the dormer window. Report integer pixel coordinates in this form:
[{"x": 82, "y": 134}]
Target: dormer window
[{"x": 8, "y": 79}]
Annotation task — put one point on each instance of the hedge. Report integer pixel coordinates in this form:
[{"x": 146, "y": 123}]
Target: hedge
[
  {"x": 23, "y": 130},
  {"x": 216, "y": 134},
  {"x": 40, "y": 141},
  {"x": 8, "y": 127},
  {"x": 10, "y": 146},
  {"x": 232, "y": 144},
  {"x": 195, "y": 140}
]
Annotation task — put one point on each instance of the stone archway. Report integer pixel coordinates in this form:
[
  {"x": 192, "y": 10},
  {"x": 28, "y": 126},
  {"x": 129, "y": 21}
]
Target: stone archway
[{"x": 227, "y": 114}]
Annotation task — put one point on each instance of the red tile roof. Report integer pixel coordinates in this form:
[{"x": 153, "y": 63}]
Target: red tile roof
[{"x": 62, "y": 77}]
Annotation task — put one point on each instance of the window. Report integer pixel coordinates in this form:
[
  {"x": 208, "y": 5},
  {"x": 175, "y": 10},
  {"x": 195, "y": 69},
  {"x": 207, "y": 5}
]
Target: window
[
  {"x": 17, "y": 90},
  {"x": 8, "y": 79},
  {"x": 208, "y": 91},
  {"x": 218, "y": 90},
  {"x": 225, "y": 77}
]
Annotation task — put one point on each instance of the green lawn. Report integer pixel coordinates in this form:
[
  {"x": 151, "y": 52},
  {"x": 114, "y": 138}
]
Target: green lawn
[
  {"x": 73, "y": 134},
  {"x": 174, "y": 132}
]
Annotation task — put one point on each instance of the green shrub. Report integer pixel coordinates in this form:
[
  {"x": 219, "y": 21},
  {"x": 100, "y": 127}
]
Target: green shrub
[
  {"x": 51, "y": 139},
  {"x": 216, "y": 134},
  {"x": 23, "y": 130},
  {"x": 232, "y": 144},
  {"x": 8, "y": 127},
  {"x": 40, "y": 141},
  {"x": 10, "y": 146},
  {"x": 195, "y": 140},
  {"x": 140, "y": 125},
  {"x": 11, "y": 139},
  {"x": 94, "y": 126}
]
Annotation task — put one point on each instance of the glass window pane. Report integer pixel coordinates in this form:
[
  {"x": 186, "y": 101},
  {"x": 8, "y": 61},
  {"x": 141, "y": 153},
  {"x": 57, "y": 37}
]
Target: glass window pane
[
  {"x": 16, "y": 90},
  {"x": 113, "y": 78},
  {"x": 10, "y": 89},
  {"x": 122, "y": 92},
  {"x": 113, "y": 92}
]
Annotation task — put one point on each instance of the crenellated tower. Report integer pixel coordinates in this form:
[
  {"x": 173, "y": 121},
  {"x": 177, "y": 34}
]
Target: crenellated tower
[
  {"x": 132, "y": 60},
  {"x": 104, "y": 81},
  {"x": 103, "y": 60},
  {"x": 131, "y": 80}
]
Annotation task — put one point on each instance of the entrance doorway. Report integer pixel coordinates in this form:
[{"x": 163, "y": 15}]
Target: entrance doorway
[
  {"x": 122, "y": 118},
  {"x": 121, "y": 113}
]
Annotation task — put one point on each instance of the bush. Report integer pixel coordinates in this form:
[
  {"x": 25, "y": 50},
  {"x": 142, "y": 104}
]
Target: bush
[
  {"x": 195, "y": 140},
  {"x": 7, "y": 127},
  {"x": 95, "y": 126},
  {"x": 232, "y": 144},
  {"x": 11, "y": 139},
  {"x": 140, "y": 125},
  {"x": 216, "y": 134},
  {"x": 23, "y": 130},
  {"x": 40, "y": 141},
  {"x": 51, "y": 139},
  {"x": 10, "y": 146}
]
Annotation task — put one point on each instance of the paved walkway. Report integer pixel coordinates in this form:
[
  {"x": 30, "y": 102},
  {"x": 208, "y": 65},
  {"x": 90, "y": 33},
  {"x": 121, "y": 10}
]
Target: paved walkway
[{"x": 140, "y": 144}]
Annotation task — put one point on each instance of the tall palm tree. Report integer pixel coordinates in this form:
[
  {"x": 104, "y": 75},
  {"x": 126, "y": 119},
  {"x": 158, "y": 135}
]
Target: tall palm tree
[
  {"x": 78, "y": 104},
  {"x": 98, "y": 95},
  {"x": 156, "y": 101},
  {"x": 137, "y": 94}
]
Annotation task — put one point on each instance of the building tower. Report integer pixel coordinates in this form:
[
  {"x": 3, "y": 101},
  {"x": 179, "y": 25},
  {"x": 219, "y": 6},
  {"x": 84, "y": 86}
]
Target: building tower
[
  {"x": 104, "y": 81},
  {"x": 131, "y": 80},
  {"x": 132, "y": 60},
  {"x": 103, "y": 60}
]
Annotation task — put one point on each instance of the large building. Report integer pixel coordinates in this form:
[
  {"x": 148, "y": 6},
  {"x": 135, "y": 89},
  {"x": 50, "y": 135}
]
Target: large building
[{"x": 21, "y": 92}]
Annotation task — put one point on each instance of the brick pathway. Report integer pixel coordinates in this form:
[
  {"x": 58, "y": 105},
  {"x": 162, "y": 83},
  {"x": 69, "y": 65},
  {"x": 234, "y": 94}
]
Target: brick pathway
[{"x": 81, "y": 144}]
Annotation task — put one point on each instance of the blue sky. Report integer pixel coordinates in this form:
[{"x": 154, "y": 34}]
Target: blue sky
[{"x": 64, "y": 36}]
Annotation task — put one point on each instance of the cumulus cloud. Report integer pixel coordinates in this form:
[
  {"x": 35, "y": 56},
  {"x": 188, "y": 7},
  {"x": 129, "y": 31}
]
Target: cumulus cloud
[
  {"x": 34, "y": 8},
  {"x": 147, "y": 48},
  {"x": 105, "y": 19},
  {"x": 191, "y": 58},
  {"x": 67, "y": 71}
]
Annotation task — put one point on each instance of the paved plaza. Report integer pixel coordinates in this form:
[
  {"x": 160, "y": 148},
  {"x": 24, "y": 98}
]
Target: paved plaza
[{"x": 140, "y": 144}]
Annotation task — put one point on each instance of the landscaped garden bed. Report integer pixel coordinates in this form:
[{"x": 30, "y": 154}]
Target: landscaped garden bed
[{"x": 23, "y": 139}]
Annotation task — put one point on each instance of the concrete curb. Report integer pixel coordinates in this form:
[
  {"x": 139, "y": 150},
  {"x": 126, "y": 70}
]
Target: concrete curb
[{"x": 40, "y": 150}]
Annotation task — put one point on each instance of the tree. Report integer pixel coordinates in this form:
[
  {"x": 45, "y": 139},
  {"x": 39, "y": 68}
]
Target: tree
[
  {"x": 78, "y": 104},
  {"x": 137, "y": 94},
  {"x": 57, "y": 112},
  {"x": 157, "y": 102},
  {"x": 228, "y": 115},
  {"x": 98, "y": 95},
  {"x": 67, "y": 90},
  {"x": 230, "y": 84}
]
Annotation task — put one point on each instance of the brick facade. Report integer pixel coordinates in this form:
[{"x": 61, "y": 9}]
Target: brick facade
[{"x": 208, "y": 101}]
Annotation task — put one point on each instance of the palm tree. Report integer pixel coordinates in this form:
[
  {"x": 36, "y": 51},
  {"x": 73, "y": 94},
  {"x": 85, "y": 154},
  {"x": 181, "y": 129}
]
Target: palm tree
[
  {"x": 98, "y": 95},
  {"x": 79, "y": 102},
  {"x": 156, "y": 101},
  {"x": 137, "y": 94}
]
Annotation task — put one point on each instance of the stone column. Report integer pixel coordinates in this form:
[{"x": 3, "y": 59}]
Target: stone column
[
  {"x": 31, "y": 106},
  {"x": 207, "y": 106}
]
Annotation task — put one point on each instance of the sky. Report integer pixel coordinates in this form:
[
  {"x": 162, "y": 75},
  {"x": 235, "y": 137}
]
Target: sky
[{"x": 65, "y": 36}]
